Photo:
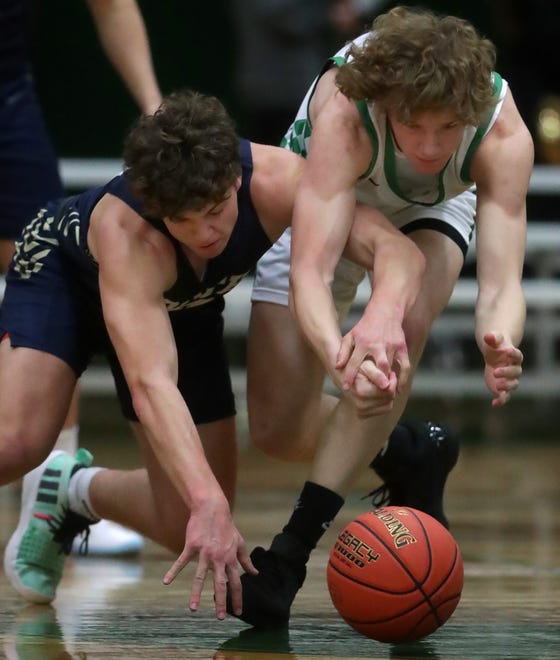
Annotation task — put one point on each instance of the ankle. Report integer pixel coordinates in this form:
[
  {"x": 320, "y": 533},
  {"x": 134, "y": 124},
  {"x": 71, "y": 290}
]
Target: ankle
[
  {"x": 288, "y": 547},
  {"x": 79, "y": 499}
]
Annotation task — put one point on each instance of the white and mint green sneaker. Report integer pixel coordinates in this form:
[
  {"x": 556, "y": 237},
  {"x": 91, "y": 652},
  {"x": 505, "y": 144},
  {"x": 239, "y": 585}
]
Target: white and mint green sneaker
[{"x": 35, "y": 554}]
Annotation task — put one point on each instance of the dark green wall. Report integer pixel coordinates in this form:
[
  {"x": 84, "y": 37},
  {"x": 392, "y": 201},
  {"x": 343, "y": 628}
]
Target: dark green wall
[
  {"x": 89, "y": 111},
  {"x": 87, "y": 107}
]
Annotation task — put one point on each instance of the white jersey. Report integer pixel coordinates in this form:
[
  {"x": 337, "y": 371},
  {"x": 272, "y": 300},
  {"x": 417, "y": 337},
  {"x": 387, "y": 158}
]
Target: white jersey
[
  {"x": 390, "y": 183},
  {"x": 445, "y": 202}
]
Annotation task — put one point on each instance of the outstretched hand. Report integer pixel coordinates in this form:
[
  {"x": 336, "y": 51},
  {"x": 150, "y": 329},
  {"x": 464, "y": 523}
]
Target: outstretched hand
[
  {"x": 502, "y": 366},
  {"x": 220, "y": 548}
]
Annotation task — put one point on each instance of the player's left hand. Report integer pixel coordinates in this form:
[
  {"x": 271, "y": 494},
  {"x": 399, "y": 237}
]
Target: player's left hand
[
  {"x": 369, "y": 399},
  {"x": 378, "y": 343},
  {"x": 502, "y": 366}
]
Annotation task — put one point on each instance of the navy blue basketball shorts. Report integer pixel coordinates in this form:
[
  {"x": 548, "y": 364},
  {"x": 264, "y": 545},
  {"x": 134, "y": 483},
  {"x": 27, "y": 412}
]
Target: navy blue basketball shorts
[
  {"x": 29, "y": 175},
  {"x": 52, "y": 311}
]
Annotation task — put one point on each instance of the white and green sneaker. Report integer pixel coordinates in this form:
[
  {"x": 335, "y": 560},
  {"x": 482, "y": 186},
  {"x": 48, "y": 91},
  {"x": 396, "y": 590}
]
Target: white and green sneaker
[{"x": 35, "y": 554}]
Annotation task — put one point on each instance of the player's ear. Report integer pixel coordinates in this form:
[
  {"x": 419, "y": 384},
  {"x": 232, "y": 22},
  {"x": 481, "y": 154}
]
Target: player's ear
[{"x": 238, "y": 183}]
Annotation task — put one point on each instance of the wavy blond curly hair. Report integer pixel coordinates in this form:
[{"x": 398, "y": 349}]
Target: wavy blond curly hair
[{"x": 416, "y": 60}]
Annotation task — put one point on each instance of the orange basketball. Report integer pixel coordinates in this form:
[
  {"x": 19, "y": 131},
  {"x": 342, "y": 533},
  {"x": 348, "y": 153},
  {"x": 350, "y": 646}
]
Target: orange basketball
[{"x": 395, "y": 574}]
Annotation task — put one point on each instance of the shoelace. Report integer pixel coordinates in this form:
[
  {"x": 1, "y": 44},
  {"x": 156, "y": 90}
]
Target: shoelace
[
  {"x": 66, "y": 527},
  {"x": 380, "y": 496}
]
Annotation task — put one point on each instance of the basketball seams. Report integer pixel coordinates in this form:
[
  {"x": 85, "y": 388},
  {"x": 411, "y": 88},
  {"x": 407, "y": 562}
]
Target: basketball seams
[
  {"x": 400, "y": 562},
  {"x": 382, "y": 590},
  {"x": 393, "y": 617},
  {"x": 429, "y": 603},
  {"x": 416, "y": 586},
  {"x": 445, "y": 579}
]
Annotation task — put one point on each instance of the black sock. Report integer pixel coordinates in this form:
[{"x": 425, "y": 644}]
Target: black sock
[
  {"x": 315, "y": 509},
  {"x": 401, "y": 443}
]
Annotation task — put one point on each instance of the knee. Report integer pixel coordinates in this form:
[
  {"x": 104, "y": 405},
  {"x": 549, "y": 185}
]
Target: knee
[
  {"x": 18, "y": 454},
  {"x": 417, "y": 328},
  {"x": 285, "y": 415},
  {"x": 265, "y": 432},
  {"x": 288, "y": 436}
]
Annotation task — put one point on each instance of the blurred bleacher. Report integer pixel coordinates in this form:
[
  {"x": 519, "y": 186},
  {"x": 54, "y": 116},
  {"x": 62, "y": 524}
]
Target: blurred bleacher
[{"x": 451, "y": 365}]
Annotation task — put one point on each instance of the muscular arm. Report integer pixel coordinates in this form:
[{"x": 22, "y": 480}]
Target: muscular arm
[
  {"x": 326, "y": 223},
  {"x": 396, "y": 277},
  {"x": 501, "y": 170},
  {"x": 122, "y": 34},
  {"x": 323, "y": 215},
  {"x": 136, "y": 265}
]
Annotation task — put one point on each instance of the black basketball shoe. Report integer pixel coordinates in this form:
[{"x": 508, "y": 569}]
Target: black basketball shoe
[
  {"x": 268, "y": 596},
  {"x": 415, "y": 471}
]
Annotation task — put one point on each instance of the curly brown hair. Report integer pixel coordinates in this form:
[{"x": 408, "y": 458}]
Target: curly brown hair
[
  {"x": 416, "y": 60},
  {"x": 183, "y": 157}
]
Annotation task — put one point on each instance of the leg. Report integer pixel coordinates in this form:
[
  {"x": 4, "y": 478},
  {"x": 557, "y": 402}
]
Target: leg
[
  {"x": 105, "y": 538},
  {"x": 143, "y": 499},
  {"x": 444, "y": 261},
  {"x": 286, "y": 403},
  {"x": 6, "y": 253},
  {"x": 267, "y": 597},
  {"x": 286, "y": 421},
  {"x": 146, "y": 500},
  {"x": 36, "y": 391}
]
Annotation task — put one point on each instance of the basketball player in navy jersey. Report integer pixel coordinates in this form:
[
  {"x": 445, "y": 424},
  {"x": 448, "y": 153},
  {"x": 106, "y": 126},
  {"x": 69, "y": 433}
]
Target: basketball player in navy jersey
[
  {"x": 137, "y": 269},
  {"x": 29, "y": 175}
]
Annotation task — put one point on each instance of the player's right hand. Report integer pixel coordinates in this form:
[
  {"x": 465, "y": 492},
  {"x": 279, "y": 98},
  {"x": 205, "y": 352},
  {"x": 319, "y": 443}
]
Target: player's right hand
[
  {"x": 377, "y": 342},
  {"x": 368, "y": 398},
  {"x": 215, "y": 543}
]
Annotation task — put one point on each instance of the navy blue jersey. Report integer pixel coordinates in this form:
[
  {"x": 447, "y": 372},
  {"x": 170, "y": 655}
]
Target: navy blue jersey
[
  {"x": 52, "y": 301},
  {"x": 65, "y": 223},
  {"x": 29, "y": 174}
]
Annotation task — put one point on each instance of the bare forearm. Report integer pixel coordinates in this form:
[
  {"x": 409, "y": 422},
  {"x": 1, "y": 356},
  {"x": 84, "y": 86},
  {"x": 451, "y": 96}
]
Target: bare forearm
[
  {"x": 398, "y": 269},
  {"x": 319, "y": 232},
  {"x": 312, "y": 303},
  {"x": 501, "y": 309},
  {"x": 394, "y": 260},
  {"x": 122, "y": 33},
  {"x": 175, "y": 441}
]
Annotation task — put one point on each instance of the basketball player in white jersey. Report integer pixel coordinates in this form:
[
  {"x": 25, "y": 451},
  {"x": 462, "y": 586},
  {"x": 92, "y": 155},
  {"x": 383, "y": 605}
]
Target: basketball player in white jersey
[{"x": 412, "y": 120}]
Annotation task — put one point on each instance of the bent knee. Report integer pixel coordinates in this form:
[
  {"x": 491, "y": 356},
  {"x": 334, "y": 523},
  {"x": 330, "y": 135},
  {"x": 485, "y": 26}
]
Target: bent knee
[
  {"x": 417, "y": 328},
  {"x": 18, "y": 455},
  {"x": 289, "y": 441},
  {"x": 270, "y": 429}
]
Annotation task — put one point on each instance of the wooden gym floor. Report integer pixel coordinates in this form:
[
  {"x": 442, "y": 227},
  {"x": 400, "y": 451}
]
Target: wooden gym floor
[{"x": 503, "y": 500}]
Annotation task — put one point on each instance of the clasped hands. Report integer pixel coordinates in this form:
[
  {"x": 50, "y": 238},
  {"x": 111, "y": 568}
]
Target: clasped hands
[{"x": 372, "y": 366}]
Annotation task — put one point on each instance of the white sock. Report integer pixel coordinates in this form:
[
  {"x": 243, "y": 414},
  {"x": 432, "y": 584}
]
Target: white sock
[
  {"x": 78, "y": 493},
  {"x": 68, "y": 440}
]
